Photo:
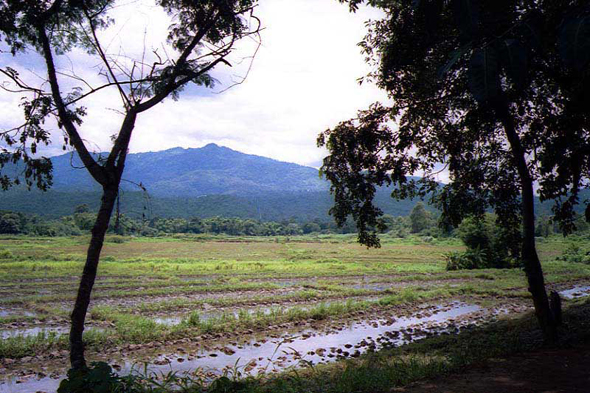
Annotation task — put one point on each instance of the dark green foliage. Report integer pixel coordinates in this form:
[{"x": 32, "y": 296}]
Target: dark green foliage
[
  {"x": 575, "y": 253},
  {"x": 83, "y": 208},
  {"x": 420, "y": 219},
  {"x": 574, "y": 40},
  {"x": 484, "y": 75},
  {"x": 11, "y": 223},
  {"x": 486, "y": 67},
  {"x": 98, "y": 378},
  {"x": 544, "y": 227},
  {"x": 487, "y": 246}
]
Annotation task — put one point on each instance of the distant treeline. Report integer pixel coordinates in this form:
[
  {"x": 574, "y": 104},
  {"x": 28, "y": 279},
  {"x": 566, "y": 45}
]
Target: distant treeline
[
  {"x": 302, "y": 207},
  {"x": 420, "y": 221},
  {"x": 82, "y": 220}
]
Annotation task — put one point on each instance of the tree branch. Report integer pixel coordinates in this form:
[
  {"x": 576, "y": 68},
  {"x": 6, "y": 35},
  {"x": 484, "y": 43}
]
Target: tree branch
[
  {"x": 90, "y": 163},
  {"x": 103, "y": 57}
]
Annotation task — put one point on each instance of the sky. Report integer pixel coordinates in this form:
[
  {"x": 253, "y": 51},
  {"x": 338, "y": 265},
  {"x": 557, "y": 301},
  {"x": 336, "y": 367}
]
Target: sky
[{"x": 303, "y": 81}]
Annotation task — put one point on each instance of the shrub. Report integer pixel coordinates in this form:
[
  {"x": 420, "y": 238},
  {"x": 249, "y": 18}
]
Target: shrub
[
  {"x": 471, "y": 259},
  {"x": 116, "y": 239},
  {"x": 488, "y": 246},
  {"x": 574, "y": 253},
  {"x": 99, "y": 378}
]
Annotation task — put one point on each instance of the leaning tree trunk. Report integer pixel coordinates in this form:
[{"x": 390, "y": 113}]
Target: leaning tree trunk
[
  {"x": 78, "y": 315},
  {"x": 532, "y": 265}
]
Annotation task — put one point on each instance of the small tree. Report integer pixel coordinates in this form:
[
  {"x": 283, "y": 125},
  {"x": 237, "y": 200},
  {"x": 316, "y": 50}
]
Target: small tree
[
  {"x": 201, "y": 36},
  {"x": 495, "y": 90},
  {"x": 420, "y": 218}
]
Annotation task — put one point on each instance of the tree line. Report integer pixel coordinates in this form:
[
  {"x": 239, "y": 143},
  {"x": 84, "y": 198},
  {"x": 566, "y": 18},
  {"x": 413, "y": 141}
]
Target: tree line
[{"x": 483, "y": 233}]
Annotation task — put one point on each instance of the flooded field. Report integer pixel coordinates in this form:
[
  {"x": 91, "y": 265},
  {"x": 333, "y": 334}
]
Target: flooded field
[{"x": 253, "y": 306}]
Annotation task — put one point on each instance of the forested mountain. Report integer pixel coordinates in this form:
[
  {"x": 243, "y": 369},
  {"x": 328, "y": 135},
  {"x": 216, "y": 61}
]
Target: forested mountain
[
  {"x": 210, "y": 170},
  {"x": 267, "y": 207},
  {"x": 206, "y": 182}
]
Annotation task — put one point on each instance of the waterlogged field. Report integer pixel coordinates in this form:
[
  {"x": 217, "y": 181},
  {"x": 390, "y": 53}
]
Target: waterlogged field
[{"x": 202, "y": 305}]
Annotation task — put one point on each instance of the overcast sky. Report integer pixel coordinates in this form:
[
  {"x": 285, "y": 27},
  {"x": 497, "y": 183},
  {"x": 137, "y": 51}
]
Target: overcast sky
[{"x": 303, "y": 81}]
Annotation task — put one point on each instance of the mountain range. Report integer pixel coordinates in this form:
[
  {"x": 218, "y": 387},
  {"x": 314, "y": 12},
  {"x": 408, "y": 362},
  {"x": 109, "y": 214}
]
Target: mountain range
[
  {"x": 204, "y": 182},
  {"x": 210, "y": 170}
]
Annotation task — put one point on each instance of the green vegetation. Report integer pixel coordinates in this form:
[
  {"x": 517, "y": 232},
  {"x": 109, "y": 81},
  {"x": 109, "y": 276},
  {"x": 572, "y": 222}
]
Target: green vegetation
[
  {"x": 373, "y": 372},
  {"x": 225, "y": 284}
]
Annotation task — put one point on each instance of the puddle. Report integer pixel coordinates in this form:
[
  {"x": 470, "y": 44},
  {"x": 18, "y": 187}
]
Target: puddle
[
  {"x": 46, "y": 330},
  {"x": 205, "y": 316},
  {"x": 288, "y": 283},
  {"x": 16, "y": 312},
  {"x": 30, "y": 385},
  {"x": 4, "y": 334},
  {"x": 169, "y": 321},
  {"x": 373, "y": 287},
  {"x": 172, "y": 320},
  {"x": 203, "y": 296},
  {"x": 576, "y": 292},
  {"x": 277, "y": 354}
]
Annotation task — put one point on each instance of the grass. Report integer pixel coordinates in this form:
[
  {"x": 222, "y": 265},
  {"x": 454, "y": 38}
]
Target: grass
[
  {"x": 377, "y": 372},
  {"x": 139, "y": 278}
]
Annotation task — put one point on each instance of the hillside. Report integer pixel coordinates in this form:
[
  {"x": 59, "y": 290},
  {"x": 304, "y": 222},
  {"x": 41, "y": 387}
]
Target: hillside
[
  {"x": 210, "y": 170},
  {"x": 268, "y": 207},
  {"x": 205, "y": 182}
]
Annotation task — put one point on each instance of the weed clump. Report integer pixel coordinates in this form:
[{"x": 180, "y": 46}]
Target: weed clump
[{"x": 575, "y": 254}]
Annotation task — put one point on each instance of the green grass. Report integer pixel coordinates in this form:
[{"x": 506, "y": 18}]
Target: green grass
[
  {"x": 380, "y": 372},
  {"x": 189, "y": 273}
]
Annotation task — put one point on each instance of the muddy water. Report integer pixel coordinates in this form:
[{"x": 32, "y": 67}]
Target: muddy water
[
  {"x": 35, "y": 331},
  {"x": 16, "y": 312},
  {"x": 576, "y": 292},
  {"x": 172, "y": 320},
  {"x": 289, "y": 350}
]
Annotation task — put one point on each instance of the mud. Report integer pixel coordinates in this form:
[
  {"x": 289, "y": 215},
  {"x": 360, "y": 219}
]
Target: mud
[{"x": 280, "y": 348}]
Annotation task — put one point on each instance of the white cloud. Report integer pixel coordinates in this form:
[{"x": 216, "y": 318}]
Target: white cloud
[{"x": 302, "y": 82}]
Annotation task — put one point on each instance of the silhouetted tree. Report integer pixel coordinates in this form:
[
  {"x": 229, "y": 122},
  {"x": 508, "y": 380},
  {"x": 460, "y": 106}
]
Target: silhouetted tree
[
  {"x": 419, "y": 218},
  {"x": 202, "y": 34},
  {"x": 496, "y": 91}
]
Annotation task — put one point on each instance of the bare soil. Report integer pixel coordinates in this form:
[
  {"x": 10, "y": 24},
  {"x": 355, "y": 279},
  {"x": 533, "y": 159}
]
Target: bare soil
[{"x": 541, "y": 371}]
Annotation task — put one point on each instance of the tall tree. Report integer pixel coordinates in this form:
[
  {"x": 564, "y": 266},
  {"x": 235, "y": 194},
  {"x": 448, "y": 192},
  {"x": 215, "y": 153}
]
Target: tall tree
[
  {"x": 494, "y": 91},
  {"x": 201, "y": 36},
  {"x": 419, "y": 218}
]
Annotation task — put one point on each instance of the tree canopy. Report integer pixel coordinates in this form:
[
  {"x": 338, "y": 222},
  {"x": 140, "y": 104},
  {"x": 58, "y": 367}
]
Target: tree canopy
[
  {"x": 454, "y": 70},
  {"x": 495, "y": 93}
]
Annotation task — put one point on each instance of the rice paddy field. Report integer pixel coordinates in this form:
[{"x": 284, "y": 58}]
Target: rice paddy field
[{"x": 205, "y": 306}]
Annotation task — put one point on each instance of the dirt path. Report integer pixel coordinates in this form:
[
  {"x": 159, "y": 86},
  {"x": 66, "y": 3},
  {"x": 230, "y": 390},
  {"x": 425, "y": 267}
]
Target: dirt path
[{"x": 541, "y": 371}]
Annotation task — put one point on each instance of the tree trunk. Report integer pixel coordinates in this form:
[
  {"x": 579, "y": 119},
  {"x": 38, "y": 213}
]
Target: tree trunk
[
  {"x": 532, "y": 265},
  {"x": 78, "y": 315}
]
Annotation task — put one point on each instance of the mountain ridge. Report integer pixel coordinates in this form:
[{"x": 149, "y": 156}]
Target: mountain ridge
[
  {"x": 204, "y": 182},
  {"x": 191, "y": 172}
]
